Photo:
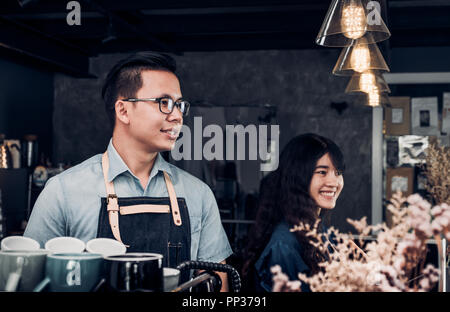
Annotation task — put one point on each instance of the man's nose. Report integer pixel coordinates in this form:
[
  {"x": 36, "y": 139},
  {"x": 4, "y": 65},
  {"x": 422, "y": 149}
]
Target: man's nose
[{"x": 175, "y": 115}]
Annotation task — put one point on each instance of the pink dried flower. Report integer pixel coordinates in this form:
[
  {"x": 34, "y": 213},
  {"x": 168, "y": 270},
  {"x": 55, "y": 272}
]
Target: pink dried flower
[
  {"x": 440, "y": 224},
  {"x": 402, "y": 247},
  {"x": 432, "y": 273},
  {"x": 281, "y": 282},
  {"x": 436, "y": 227},
  {"x": 399, "y": 264},
  {"x": 425, "y": 230},
  {"x": 431, "y": 277},
  {"x": 437, "y": 210},
  {"x": 444, "y": 221},
  {"x": 425, "y": 283},
  {"x": 414, "y": 198},
  {"x": 385, "y": 264},
  {"x": 418, "y": 201},
  {"x": 424, "y": 205},
  {"x": 361, "y": 225}
]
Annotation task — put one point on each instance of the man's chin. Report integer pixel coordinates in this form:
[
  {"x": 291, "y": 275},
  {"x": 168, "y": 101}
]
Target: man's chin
[{"x": 166, "y": 148}]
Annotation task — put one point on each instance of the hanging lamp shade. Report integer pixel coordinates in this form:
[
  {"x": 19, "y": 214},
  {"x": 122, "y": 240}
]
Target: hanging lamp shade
[
  {"x": 366, "y": 81},
  {"x": 359, "y": 58},
  {"x": 349, "y": 20}
]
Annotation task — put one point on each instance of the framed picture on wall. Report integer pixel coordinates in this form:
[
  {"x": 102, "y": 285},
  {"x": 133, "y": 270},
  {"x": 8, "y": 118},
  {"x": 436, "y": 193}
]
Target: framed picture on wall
[
  {"x": 392, "y": 151},
  {"x": 402, "y": 179},
  {"x": 412, "y": 149},
  {"x": 446, "y": 114},
  {"x": 398, "y": 117},
  {"x": 420, "y": 180},
  {"x": 424, "y": 117}
]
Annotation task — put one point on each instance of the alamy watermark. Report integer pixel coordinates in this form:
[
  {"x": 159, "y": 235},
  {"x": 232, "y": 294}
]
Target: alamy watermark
[
  {"x": 74, "y": 16},
  {"x": 374, "y": 13},
  {"x": 235, "y": 144}
]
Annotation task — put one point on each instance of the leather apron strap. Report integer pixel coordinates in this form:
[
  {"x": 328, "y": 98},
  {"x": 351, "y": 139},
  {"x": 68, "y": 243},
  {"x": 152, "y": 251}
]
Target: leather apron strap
[
  {"x": 113, "y": 203},
  {"x": 111, "y": 200},
  {"x": 173, "y": 200}
]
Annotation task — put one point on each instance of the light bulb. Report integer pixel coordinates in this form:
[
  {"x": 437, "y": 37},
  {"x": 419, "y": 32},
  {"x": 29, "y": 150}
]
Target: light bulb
[
  {"x": 374, "y": 96},
  {"x": 353, "y": 20},
  {"x": 3, "y": 152},
  {"x": 367, "y": 82},
  {"x": 360, "y": 58}
]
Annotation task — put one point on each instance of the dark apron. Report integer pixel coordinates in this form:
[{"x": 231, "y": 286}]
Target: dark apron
[{"x": 147, "y": 224}]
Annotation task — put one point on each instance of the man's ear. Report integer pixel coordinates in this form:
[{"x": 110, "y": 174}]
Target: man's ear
[{"x": 122, "y": 108}]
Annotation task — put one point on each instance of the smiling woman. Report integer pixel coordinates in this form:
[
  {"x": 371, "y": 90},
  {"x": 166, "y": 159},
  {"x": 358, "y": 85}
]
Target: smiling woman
[{"x": 304, "y": 187}]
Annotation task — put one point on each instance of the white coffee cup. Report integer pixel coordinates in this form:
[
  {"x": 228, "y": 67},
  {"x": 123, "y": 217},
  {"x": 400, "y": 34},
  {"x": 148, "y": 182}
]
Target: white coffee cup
[
  {"x": 19, "y": 243},
  {"x": 65, "y": 244},
  {"x": 171, "y": 278},
  {"x": 106, "y": 247}
]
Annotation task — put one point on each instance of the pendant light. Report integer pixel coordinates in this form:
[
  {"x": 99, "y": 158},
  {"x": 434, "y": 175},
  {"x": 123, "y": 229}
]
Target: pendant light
[
  {"x": 359, "y": 58},
  {"x": 366, "y": 82},
  {"x": 348, "y": 20},
  {"x": 376, "y": 98}
]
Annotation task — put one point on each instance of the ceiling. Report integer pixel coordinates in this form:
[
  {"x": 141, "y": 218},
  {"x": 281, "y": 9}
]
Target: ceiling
[{"x": 37, "y": 30}]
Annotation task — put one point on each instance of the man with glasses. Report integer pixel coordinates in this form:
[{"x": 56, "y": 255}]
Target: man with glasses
[{"x": 130, "y": 193}]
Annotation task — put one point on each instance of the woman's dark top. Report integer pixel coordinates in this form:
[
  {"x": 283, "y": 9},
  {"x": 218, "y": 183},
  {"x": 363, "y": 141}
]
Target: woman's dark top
[{"x": 285, "y": 250}]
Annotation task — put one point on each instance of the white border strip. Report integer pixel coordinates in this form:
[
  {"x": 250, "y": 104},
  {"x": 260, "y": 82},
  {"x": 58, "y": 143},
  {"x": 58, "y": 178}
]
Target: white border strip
[
  {"x": 444, "y": 267},
  {"x": 377, "y": 165},
  {"x": 419, "y": 78}
]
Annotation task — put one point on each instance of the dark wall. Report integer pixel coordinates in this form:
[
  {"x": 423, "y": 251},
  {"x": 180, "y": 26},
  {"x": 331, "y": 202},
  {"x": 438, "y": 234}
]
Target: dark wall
[
  {"x": 26, "y": 103},
  {"x": 420, "y": 59},
  {"x": 299, "y": 83}
]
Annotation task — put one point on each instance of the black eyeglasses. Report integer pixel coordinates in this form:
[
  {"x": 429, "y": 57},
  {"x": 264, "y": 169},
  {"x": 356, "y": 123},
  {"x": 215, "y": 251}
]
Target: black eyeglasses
[{"x": 166, "y": 104}]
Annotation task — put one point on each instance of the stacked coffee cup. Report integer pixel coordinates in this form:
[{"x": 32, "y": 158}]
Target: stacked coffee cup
[{"x": 68, "y": 264}]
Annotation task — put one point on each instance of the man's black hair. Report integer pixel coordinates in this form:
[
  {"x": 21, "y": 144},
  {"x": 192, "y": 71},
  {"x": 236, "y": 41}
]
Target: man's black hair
[{"x": 125, "y": 79}]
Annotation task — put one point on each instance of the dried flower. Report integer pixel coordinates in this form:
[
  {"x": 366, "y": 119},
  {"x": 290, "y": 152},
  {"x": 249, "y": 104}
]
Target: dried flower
[
  {"x": 437, "y": 172},
  {"x": 281, "y": 281},
  {"x": 392, "y": 262}
]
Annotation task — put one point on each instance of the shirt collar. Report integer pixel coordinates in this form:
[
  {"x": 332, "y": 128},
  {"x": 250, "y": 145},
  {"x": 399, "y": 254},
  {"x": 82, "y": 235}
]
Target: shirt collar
[{"x": 117, "y": 166}]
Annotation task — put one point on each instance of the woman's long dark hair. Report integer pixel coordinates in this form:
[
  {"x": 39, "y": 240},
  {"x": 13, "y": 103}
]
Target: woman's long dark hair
[{"x": 284, "y": 195}]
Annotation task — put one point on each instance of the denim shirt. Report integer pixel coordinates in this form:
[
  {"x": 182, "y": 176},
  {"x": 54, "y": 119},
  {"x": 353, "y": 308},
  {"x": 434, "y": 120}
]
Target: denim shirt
[
  {"x": 284, "y": 250},
  {"x": 69, "y": 205}
]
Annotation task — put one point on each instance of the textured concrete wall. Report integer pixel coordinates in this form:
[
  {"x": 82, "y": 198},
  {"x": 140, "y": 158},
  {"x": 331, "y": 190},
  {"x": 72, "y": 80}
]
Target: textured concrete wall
[{"x": 299, "y": 83}]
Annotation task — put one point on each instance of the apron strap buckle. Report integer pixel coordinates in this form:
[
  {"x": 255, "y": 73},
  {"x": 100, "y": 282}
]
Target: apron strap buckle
[
  {"x": 112, "y": 202},
  {"x": 112, "y": 196}
]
